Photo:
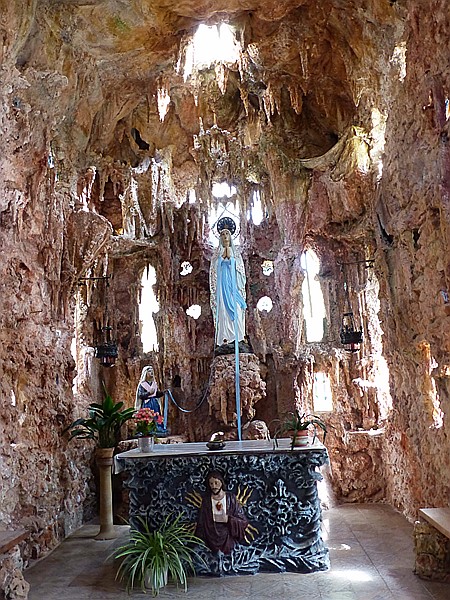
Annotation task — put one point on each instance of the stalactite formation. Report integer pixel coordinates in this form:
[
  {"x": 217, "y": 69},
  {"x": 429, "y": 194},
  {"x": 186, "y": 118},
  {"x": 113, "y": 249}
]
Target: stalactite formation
[{"x": 333, "y": 122}]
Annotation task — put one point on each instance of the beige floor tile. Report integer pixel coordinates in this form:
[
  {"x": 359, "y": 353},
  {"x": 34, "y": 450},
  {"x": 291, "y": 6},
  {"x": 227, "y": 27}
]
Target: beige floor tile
[{"x": 366, "y": 564}]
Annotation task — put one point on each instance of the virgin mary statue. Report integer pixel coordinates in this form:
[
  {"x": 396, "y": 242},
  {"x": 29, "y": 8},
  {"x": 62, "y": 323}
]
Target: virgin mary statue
[{"x": 227, "y": 285}]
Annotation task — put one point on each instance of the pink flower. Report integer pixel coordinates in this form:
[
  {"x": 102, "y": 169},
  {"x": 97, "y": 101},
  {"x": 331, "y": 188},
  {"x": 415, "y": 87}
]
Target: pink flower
[{"x": 146, "y": 421}]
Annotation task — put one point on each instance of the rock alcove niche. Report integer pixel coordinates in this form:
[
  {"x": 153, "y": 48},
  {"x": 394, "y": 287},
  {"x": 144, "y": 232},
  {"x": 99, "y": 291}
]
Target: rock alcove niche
[{"x": 333, "y": 119}]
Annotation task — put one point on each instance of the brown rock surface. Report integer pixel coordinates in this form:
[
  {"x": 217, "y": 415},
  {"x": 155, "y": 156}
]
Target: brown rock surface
[
  {"x": 336, "y": 116},
  {"x": 222, "y": 392}
]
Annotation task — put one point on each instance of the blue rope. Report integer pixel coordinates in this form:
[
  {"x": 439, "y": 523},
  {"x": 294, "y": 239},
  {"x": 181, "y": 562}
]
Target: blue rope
[
  {"x": 166, "y": 407},
  {"x": 236, "y": 357}
]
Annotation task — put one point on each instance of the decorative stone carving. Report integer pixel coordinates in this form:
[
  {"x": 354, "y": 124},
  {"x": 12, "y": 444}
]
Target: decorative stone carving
[
  {"x": 281, "y": 503},
  {"x": 255, "y": 430}
]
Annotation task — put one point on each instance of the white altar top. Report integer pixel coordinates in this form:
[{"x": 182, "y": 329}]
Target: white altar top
[{"x": 200, "y": 448}]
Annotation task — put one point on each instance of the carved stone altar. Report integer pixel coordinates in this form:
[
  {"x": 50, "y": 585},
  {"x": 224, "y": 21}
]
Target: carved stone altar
[{"x": 280, "y": 499}]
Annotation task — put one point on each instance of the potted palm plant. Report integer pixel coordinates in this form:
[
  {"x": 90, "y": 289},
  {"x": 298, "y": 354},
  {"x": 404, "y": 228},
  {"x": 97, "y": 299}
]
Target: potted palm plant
[
  {"x": 298, "y": 426},
  {"x": 151, "y": 558},
  {"x": 103, "y": 426}
]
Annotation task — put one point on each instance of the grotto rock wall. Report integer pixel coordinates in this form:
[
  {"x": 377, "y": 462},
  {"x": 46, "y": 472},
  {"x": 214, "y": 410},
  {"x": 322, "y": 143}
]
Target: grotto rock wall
[
  {"x": 413, "y": 235},
  {"x": 96, "y": 181},
  {"x": 45, "y": 485}
]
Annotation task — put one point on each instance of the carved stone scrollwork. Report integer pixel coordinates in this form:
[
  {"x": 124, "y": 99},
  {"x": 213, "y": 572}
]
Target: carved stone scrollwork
[{"x": 279, "y": 496}]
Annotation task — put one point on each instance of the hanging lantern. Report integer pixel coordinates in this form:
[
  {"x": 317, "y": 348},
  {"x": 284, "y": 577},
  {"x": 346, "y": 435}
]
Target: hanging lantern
[
  {"x": 107, "y": 351},
  {"x": 351, "y": 338}
]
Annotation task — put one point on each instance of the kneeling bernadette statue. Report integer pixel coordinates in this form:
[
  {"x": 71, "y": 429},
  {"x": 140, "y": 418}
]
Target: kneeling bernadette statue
[
  {"x": 221, "y": 521},
  {"x": 147, "y": 394},
  {"x": 227, "y": 285}
]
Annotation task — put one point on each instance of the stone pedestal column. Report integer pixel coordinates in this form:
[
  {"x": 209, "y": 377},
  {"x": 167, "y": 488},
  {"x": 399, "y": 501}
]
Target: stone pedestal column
[
  {"x": 104, "y": 459},
  {"x": 222, "y": 393}
]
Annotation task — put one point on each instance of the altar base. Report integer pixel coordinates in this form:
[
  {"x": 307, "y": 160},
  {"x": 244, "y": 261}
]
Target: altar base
[{"x": 277, "y": 487}]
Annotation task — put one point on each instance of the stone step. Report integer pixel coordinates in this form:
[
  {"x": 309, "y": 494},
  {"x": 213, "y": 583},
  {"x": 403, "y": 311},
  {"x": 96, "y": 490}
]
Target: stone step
[{"x": 438, "y": 518}]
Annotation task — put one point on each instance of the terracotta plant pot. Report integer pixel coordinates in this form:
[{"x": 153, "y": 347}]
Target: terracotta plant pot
[{"x": 302, "y": 438}]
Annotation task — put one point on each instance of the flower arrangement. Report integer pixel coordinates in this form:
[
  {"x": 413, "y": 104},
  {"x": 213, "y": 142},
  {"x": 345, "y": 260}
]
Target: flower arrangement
[{"x": 146, "y": 421}]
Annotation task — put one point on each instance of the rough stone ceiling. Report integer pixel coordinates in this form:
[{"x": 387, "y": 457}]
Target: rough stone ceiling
[{"x": 314, "y": 67}]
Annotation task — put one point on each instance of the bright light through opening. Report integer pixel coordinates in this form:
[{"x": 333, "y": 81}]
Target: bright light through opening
[
  {"x": 194, "y": 311},
  {"x": 216, "y": 44},
  {"x": 265, "y": 303},
  {"x": 256, "y": 210},
  {"x": 186, "y": 268},
  {"x": 163, "y": 103},
  {"x": 267, "y": 267},
  {"x": 313, "y": 304},
  {"x": 322, "y": 398},
  {"x": 223, "y": 190},
  {"x": 147, "y": 308},
  {"x": 219, "y": 211},
  {"x": 377, "y": 134}
]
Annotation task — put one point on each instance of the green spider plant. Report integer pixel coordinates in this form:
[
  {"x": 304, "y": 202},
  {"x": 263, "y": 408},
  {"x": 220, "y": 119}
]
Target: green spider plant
[
  {"x": 295, "y": 422},
  {"x": 151, "y": 558}
]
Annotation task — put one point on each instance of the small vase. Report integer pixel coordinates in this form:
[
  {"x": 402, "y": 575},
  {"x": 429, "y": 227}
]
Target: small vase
[{"x": 146, "y": 443}]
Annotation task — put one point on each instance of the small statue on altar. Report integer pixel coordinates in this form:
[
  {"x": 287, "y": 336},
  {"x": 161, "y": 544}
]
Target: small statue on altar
[
  {"x": 227, "y": 285},
  {"x": 147, "y": 393},
  {"x": 221, "y": 520}
]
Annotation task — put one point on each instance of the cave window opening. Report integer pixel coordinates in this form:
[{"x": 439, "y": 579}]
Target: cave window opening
[
  {"x": 256, "y": 213},
  {"x": 73, "y": 351},
  {"x": 82, "y": 353},
  {"x": 186, "y": 268},
  {"x": 210, "y": 45},
  {"x": 223, "y": 190},
  {"x": 430, "y": 385},
  {"x": 398, "y": 60},
  {"x": 226, "y": 206},
  {"x": 378, "y": 139},
  {"x": 194, "y": 311},
  {"x": 192, "y": 196},
  {"x": 322, "y": 396},
  {"x": 50, "y": 159},
  {"x": 163, "y": 100},
  {"x": 267, "y": 267},
  {"x": 379, "y": 373},
  {"x": 148, "y": 306},
  {"x": 447, "y": 109},
  {"x": 313, "y": 302},
  {"x": 264, "y": 304}
]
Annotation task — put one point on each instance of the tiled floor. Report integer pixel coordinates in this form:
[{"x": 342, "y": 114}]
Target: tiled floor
[{"x": 371, "y": 551}]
